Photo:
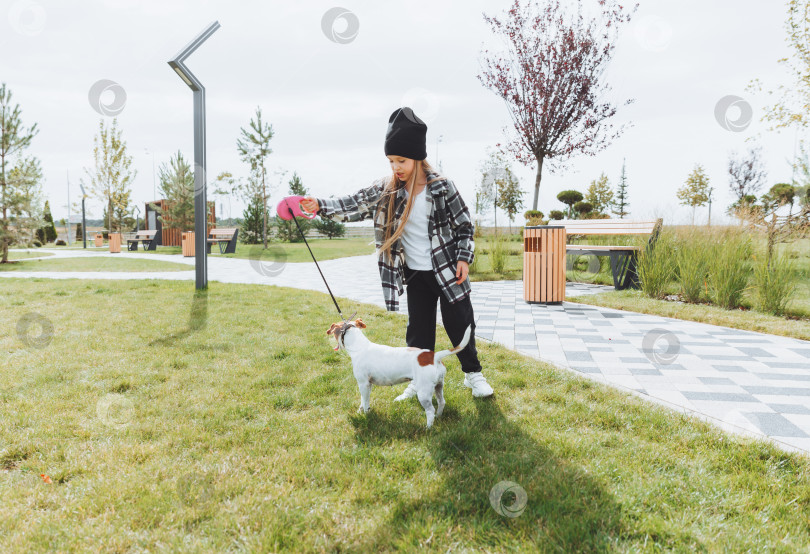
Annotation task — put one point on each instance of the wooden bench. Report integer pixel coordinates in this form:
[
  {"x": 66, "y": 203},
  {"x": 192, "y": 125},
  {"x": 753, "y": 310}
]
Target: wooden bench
[
  {"x": 622, "y": 258},
  {"x": 225, "y": 238},
  {"x": 148, "y": 238}
]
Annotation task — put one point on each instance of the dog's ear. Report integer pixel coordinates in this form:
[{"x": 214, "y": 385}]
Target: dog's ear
[
  {"x": 332, "y": 329},
  {"x": 359, "y": 323}
]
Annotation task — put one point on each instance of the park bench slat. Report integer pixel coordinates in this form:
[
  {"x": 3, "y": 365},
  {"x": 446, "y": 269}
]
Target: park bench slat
[
  {"x": 622, "y": 258},
  {"x": 224, "y": 238},
  {"x": 146, "y": 236}
]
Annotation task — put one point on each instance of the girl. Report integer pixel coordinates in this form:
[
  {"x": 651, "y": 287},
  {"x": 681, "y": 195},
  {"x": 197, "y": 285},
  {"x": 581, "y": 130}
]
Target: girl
[{"x": 424, "y": 238}]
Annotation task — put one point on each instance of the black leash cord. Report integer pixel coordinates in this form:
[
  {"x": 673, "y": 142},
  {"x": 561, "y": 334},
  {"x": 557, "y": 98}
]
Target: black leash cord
[{"x": 314, "y": 260}]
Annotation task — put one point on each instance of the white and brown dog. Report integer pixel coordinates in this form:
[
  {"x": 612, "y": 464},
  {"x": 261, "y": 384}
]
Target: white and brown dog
[{"x": 377, "y": 364}]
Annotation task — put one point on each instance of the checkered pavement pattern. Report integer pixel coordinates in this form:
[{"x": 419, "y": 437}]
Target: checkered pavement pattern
[{"x": 750, "y": 383}]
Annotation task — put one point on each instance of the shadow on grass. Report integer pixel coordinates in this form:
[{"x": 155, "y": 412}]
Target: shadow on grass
[
  {"x": 565, "y": 509},
  {"x": 197, "y": 319}
]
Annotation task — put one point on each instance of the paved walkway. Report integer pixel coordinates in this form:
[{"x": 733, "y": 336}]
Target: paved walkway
[{"x": 750, "y": 383}]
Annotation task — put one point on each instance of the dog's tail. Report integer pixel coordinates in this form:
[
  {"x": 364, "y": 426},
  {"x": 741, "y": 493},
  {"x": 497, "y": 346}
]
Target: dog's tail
[{"x": 444, "y": 353}]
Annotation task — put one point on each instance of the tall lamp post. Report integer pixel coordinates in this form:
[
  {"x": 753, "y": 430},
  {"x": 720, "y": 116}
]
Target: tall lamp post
[
  {"x": 200, "y": 198},
  {"x": 84, "y": 221}
]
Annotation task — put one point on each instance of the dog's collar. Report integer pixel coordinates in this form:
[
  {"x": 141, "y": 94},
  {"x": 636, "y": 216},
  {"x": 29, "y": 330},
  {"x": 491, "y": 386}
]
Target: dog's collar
[{"x": 340, "y": 331}]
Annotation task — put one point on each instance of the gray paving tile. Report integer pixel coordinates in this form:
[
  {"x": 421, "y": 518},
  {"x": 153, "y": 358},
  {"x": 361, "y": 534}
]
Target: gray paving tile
[
  {"x": 774, "y": 425},
  {"x": 787, "y": 365},
  {"x": 779, "y": 391},
  {"x": 730, "y": 368},
  {"x": 752, "y": 351},
  {"x": 578, "y": 356},
  {"x": 790, "y": 409},
  {"x": 785, "y": 376},
  {"x": 716, "y": 381},
  {"x": 644, "y": 371},
  {"x": 635, "y": 360},
  {"x": 719, "y": 396}
]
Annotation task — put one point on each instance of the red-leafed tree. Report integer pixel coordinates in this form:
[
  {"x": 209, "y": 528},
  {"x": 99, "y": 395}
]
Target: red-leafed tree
[{"x": 551, "y": 79}]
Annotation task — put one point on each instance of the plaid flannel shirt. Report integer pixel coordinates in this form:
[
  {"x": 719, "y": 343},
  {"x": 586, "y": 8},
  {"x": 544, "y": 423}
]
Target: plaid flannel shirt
[{"x": 450, "y": 229}]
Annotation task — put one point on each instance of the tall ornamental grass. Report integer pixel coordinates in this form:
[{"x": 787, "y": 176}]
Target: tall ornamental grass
[
  {"x": 498, "y": 252},
  {"x": 729, "y": 268},
  {"x": 692, "y": 260},
  {"x": 774, "y": 283},
  {"x": 655, "y": 267}
]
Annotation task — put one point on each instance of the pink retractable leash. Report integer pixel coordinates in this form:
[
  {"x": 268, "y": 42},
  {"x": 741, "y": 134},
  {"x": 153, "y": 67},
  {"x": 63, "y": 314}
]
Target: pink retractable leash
[{"x": 287, "y": 209}]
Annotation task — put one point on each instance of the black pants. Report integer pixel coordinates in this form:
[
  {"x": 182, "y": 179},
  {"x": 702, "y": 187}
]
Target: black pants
[{"x": 423, "y": 291}]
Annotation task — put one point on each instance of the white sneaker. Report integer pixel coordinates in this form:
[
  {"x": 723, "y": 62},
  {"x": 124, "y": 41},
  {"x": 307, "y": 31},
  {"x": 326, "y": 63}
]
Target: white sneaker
[
  {"x": 409, "y": 392},
  {"x": 478, "y": 384}
]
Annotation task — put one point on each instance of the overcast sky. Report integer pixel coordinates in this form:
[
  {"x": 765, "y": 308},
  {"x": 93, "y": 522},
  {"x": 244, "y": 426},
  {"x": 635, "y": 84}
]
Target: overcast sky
[{"x": 329, "y": 100}]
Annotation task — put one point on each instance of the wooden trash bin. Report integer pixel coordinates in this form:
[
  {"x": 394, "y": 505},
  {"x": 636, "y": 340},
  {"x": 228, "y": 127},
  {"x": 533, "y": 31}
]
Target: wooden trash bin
[
  {"x": 99, "y": 241},
  {"x": 187, "y": 243},
  {"x": 115, "y": 242},
  {"x": 544, "y": 264}
]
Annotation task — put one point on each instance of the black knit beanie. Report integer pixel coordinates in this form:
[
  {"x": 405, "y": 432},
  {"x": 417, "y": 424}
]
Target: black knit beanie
[{"x": 406, "y": 135}]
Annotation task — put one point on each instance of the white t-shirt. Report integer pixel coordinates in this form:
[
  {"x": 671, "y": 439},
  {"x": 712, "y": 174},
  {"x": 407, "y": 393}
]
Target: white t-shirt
[{"x": 415, "y": 240}]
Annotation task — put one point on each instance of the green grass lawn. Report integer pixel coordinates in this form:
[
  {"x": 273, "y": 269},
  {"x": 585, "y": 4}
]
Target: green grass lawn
[
  {"x": 95, "y": 264},
  {"x": 223, "y": 420},
  {"x": 324, "y": 249}
]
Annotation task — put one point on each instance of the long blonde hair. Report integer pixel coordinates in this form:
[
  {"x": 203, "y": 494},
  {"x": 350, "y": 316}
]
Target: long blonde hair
[{"x": 387, "y": 203}]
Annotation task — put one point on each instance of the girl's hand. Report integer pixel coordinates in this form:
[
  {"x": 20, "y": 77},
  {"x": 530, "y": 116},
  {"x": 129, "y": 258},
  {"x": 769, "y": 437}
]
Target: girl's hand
[
  {"x": 310, "y": 204},
  {"x": 462, "y": 269}
]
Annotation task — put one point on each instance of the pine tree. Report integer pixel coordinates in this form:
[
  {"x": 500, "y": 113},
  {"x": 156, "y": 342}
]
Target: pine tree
[
  {"x": 254, "y": 147},
  {"x": 621, "y": 203},
  {"x": 329, "y": 227},
  {"x": 177, "y": 187},
  {"x": 252, "y": 223},
  {"x": 19, "y": 183},
  {"x": 48, "y": 230}
]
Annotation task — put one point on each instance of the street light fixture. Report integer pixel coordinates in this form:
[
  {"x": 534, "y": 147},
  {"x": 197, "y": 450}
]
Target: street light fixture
[{"x": 200, "y": 197}]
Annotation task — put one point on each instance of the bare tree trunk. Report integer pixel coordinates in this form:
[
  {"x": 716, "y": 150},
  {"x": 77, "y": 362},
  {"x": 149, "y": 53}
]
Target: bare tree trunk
[
  {"x": 4, "y": 245},
  {"x": 264, "y": 209},
  {"x": 537, "y": 182}
]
